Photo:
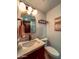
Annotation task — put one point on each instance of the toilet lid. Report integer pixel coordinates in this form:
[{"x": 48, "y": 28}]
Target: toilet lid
[{"x": 52, "y": 51}]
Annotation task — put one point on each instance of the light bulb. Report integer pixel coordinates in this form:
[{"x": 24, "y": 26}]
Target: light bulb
[
  {"x": 30, "y": 9},
  {"x": 29, "y": 12},
  {"x": 34, "y": 12},
  {"x": 22, "y": 7}
]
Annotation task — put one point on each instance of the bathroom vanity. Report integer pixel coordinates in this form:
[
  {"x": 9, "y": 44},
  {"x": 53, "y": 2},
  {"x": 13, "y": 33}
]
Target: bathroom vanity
[
  {"x": 31, "y": 50},
  {"x": 37, "y": 54}
]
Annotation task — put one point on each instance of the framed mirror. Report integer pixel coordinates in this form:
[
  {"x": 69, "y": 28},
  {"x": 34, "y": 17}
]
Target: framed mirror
[{"x": 29, "y": 22}]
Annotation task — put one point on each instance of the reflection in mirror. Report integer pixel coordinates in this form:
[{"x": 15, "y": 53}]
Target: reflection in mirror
[
  {"x": 29, "y": 23},
  {"x": 26, "y": 28}
]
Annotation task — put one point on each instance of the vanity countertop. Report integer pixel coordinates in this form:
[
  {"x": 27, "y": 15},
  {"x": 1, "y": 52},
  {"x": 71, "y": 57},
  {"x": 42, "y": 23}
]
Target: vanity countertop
[{"x": 28, "y": 50}]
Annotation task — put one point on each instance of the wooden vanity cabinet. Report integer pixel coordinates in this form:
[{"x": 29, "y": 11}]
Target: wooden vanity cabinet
[{"x": 38, "y": 54}]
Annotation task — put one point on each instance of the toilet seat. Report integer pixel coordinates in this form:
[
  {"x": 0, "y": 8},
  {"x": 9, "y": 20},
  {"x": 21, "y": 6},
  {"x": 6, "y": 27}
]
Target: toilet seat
[{"x": 52, "y": 51}]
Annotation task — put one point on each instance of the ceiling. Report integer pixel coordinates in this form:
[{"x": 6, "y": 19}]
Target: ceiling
[{"x": 42, "y": 5}]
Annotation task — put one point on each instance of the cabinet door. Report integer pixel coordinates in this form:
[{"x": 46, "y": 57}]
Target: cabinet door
[{"x": 39, "y": 54}]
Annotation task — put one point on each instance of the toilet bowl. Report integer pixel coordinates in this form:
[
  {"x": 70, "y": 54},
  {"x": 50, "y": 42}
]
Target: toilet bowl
[{"x": 52, "y": 52}]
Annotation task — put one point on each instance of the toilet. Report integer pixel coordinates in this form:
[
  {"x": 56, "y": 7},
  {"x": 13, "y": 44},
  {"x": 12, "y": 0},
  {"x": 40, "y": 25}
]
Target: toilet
[{"x": 52, "y": 52}]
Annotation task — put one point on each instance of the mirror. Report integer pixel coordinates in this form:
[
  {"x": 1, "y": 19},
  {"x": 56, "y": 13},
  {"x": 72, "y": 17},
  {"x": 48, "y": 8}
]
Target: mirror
[{"x": 29, "y": 22}]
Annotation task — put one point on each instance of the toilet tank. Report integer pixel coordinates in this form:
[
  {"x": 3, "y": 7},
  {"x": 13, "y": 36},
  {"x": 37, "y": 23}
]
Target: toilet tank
[{"x": 45, "y": 40}]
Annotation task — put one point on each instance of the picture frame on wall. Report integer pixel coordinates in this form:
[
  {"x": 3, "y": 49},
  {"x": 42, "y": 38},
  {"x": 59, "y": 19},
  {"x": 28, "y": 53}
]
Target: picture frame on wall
[{"x": 57, "y": 23}]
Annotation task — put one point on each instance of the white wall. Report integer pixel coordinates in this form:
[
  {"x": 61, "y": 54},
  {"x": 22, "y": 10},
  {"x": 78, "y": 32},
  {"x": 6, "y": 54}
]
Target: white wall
[
  {"x": 40, "y": 28},
  {"x": 53, "y": 36}
]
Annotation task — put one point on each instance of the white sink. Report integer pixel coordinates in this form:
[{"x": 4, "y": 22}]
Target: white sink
[
  {"x": 29, "y": 46},
  {"x": 30, "y": 43}
]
